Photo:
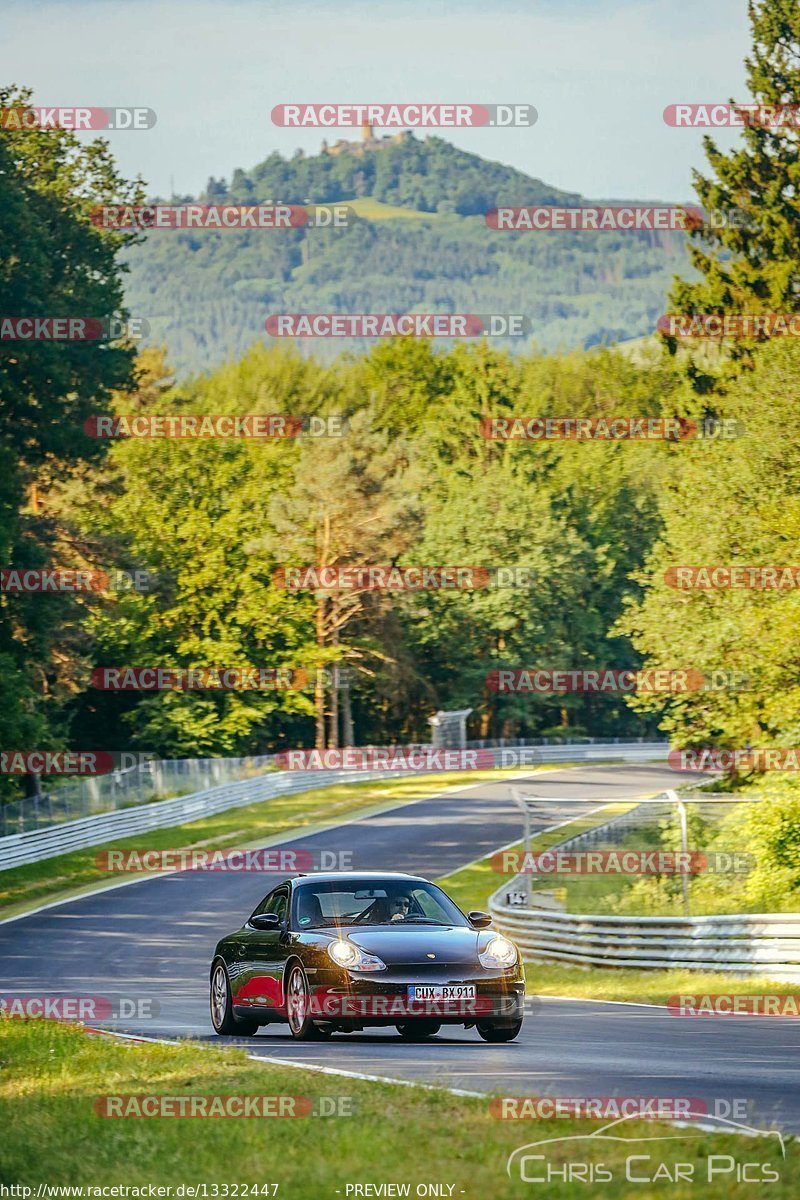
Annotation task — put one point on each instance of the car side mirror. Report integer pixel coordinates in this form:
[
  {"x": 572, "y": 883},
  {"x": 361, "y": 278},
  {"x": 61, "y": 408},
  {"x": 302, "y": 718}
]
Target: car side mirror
[
  {"x": 266, "y": 921},
  {"x": 478, "y": 919}
]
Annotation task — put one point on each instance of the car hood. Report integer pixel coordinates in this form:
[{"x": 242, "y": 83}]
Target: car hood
[{"x": 415, "y": 944}]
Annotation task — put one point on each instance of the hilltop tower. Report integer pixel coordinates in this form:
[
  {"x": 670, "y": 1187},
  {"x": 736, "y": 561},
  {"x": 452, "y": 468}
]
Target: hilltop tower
[{"x": 366, "y": 131}]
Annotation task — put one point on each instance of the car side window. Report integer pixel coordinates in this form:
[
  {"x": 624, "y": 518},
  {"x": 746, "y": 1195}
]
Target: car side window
[
  {"x": 275, "y": 902},
  {"x": 427, "y": 903}
]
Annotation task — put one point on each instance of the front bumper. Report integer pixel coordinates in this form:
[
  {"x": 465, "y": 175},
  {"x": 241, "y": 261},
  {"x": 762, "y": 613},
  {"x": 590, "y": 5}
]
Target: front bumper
[{"x": 353, "y": 1000}]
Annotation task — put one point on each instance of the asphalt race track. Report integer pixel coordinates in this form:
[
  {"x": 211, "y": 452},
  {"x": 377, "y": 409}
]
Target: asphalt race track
[{"x": 154, "y": 939}]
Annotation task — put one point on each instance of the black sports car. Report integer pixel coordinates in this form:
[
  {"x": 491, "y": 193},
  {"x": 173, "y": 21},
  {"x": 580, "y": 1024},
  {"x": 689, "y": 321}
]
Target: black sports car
[{"x": 341, "y": 951}]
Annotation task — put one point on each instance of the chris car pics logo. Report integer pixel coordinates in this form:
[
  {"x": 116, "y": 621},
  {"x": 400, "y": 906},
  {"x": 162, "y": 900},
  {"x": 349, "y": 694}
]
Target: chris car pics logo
[{"x": 607, "y": 1155}]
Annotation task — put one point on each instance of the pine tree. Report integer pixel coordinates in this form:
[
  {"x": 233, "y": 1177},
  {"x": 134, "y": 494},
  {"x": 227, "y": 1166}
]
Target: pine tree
[{"x": 751, "y": 263}]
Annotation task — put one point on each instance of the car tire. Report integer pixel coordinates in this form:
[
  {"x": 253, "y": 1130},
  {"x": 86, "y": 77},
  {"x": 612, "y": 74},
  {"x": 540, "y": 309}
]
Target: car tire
[
  {"x": 418, "y": 1031},
  {"x": 301, "y": 1027},
  {"x": 225, "y": 1023},
  {"x": 499, "y": 1033}
]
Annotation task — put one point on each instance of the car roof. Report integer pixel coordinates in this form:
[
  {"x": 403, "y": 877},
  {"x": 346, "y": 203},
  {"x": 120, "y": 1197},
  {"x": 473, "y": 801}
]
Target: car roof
[{"x": 348, "y": 876}]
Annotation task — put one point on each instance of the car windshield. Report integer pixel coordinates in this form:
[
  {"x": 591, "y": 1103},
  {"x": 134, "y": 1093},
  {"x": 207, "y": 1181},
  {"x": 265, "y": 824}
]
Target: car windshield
[{"x": 391, "y": 902}]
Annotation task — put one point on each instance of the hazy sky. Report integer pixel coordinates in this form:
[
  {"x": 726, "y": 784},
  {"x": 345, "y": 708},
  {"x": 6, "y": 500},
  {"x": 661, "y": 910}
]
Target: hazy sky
[{"x": 600, "y": 73}]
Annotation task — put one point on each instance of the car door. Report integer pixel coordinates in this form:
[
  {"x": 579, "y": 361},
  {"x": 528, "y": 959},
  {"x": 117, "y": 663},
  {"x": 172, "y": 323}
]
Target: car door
[{"x": 261, "y": 956}]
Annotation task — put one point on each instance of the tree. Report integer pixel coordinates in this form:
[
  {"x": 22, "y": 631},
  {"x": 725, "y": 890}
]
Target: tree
[
  {"x": 751, "y": 263},
  {"x": 730, "y": 503},
  {"x": 54, "y": 261},
  {"x": 196, "y": 513},
  {"x": 353, "y": 503}
]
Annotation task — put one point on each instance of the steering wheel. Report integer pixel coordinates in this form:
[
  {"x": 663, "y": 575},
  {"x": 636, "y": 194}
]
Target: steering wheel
[{"x": 364, "y": 913}]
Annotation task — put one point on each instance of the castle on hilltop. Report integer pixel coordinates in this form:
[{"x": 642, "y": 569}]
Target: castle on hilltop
[{"x": 368, "y": 142}]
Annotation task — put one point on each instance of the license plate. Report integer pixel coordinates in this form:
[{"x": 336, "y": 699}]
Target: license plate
[{"x": 445, "y": 991}]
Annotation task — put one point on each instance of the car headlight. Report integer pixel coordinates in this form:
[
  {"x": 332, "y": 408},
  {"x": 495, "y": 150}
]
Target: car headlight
[
  {"x": 347, "y": 954},
  {"x": 499, "y": 952}
]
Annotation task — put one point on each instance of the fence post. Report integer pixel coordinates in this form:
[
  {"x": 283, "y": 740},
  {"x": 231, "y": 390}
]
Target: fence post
[{"x": 681, "y": 806}]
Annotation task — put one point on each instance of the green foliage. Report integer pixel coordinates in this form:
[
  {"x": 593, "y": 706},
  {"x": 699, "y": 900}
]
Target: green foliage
[
  {"x": 733, "y": 502},
  {"x": 207, "y": 294},
  {"x": 750, "y": 264},
  {"x": 404, "y": 171},
  {"x": 53, "y": 262},
  {"x": 412, "y": 481}
]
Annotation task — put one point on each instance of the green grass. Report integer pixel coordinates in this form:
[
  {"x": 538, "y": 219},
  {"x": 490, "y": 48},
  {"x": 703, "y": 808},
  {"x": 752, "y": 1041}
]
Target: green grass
[
  {"x": 52, "y": 1074},
  {"x": 55, "y": 878},
  {"x": 644, "y": 987},
  {"x": 471, "y": 886},
  {"x": 375, "y": 210}
]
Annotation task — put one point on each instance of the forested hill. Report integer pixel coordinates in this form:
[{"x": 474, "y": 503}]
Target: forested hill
[
  {"x": 430, "y": 176},
  {"x": 418, "y": 242}
]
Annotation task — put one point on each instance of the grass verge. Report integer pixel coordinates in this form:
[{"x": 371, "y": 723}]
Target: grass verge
[
  {"x": 644, "y": 987},
  {"x": 471, "y": 887},
  {"x": 22, "y": 888},
  {"x": 52, "y": 1076}
]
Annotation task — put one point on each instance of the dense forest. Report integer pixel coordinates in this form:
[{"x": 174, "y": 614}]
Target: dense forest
[
  {"x": 417, "y": 241},
  {"x": 599, "y": 526}
]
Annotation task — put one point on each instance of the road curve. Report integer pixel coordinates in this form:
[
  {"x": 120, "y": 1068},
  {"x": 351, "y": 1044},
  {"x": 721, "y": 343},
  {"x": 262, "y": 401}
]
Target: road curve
[{"x": 152, "y": 940}]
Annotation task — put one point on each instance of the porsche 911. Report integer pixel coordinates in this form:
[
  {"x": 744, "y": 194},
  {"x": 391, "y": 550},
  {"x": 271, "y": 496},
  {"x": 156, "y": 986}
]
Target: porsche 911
[{"x": 340, "y": 952}]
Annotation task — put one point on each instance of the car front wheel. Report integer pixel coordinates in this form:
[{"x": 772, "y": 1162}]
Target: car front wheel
[
  {"x": 222, "y": 1015},
  {"x": 298, "y": 1009},
  {"x": 499, "y": 1033}
]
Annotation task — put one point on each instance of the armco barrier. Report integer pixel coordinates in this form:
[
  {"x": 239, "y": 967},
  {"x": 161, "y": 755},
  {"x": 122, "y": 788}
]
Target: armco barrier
[
  {"x": 765, "y": 944},
  {"x": 19, "y": 849},
  {"x": 22, "y": 848},
  {"x": 761, "y": 944}
]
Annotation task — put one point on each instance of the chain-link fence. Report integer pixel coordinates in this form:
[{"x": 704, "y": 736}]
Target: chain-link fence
[{"x": 157, "y": 779}]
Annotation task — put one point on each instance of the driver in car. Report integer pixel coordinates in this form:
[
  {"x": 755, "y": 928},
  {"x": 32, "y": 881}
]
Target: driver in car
[{"x": 400, "y": 907}]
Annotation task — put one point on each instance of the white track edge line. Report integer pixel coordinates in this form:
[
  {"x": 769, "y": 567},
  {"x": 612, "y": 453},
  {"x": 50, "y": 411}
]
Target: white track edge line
[
  {"x": 280, "y": 840},
  {"x": 413, "y": 1083}
]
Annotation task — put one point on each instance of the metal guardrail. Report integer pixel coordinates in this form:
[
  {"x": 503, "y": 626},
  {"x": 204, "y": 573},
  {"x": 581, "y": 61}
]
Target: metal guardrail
[
  {"x": 761, "y": 944},
  {"x": 22, "y": 848},
  {"x": 68, "y": 799},
  {"x": 745, "y": 943}
]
